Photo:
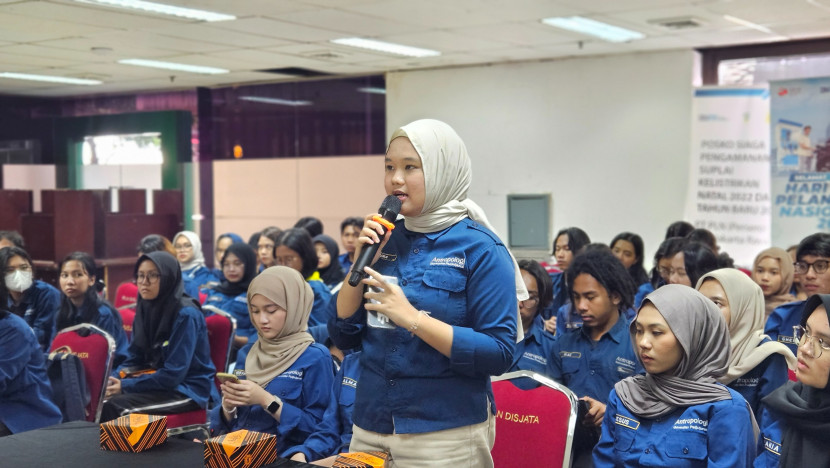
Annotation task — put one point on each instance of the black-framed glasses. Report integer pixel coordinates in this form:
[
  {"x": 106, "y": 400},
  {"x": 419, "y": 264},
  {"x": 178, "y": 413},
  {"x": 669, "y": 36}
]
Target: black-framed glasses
[
  {"x": 150, "y": 278},
  {"x": 802, "y": 337},
  {"x": 819, "y": 266},
  {"x": 183, "y": 247}
]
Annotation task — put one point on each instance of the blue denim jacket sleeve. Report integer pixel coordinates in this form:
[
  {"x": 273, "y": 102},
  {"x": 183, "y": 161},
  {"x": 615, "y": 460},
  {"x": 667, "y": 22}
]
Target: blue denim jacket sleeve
[{"x": 45, "y": 304}]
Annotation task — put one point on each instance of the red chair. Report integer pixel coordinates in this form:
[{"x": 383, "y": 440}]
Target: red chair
[
  {"x": 221, "y": 328},
  {"x": 96, "y": 350},
  {"x": 127, "y": 313},
  {"x": 533, "y": 427},
  {"x": 127, "y": 293}
]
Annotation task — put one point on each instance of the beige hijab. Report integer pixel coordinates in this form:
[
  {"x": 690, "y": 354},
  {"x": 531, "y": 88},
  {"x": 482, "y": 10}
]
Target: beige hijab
[
  {"x": 782, "y": 296},
  {"x": 746, "y": 324},
  {"x": 285, "y": 287}
]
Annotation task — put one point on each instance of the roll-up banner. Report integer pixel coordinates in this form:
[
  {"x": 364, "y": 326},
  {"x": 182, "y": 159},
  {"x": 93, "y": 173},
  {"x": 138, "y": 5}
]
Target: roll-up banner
[
  {"x": 729, "y": 178},
  {"x": 800, "y": 158}
]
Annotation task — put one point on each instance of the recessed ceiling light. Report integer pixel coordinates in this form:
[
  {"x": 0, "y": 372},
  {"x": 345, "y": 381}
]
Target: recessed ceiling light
[
  {"x": 594, "y": 28},
  {"x": 162, "y": 9},
  {"x": 174, "y": 66},
  {"x": 277, "y": 101},
  {"x": 748, "y": 24},
  {"x": 388, "y": 47},
  {"x": 49, "y": 79},
  {"x": 372, "y": 90}
]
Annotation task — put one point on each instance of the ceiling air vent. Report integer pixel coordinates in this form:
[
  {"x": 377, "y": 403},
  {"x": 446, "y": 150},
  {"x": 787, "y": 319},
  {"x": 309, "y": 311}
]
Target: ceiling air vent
[
  {"x": 679, "y": 23},
  {"x": 295, "y": 71}
]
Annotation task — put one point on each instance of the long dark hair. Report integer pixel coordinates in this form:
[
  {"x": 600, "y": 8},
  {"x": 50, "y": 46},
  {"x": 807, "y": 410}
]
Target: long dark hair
[
  {"x": 89, "y": 311},
  {"x": 667, "y": 248},
  {"x": 609, "y": 272},
  {"x": 636, "y": 270},
  {"x": 298, "y": 240}
]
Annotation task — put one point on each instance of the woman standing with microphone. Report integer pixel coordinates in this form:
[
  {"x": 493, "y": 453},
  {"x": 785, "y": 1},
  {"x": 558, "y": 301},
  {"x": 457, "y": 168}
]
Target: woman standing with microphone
[{"x": 424, "y": 394}]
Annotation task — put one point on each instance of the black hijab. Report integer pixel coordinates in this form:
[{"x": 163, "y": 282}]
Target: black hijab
[
  {"x": 154, "y": 318},
  {"x": 247, "y": 256},
  {"x": 332, "y": 274},
  {"x": 805, "y": 411}
]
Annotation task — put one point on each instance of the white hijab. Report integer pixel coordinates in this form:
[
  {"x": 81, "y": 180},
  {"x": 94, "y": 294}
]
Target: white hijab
[
  {"x": 198, "y": 257},
  {"x": 447, "y": 177}
]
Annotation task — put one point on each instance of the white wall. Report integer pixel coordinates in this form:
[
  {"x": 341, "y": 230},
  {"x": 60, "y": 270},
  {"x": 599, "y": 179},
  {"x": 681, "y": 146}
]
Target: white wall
[{"x": 607, "y": 136}]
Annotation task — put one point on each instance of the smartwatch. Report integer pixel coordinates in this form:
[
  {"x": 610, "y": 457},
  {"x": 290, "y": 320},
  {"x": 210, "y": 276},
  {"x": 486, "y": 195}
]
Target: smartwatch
[{"x": 273, "y": 407}]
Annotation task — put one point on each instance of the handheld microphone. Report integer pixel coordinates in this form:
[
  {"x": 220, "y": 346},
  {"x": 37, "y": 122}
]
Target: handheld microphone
[{"x": 389, "y": 210}]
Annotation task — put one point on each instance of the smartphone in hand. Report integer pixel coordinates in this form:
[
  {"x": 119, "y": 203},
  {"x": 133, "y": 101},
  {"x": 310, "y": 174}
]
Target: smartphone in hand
[{"x": 225, "y": 377}]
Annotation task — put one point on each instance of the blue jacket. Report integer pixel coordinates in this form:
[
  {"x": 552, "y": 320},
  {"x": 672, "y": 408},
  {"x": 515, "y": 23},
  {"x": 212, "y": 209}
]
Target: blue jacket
[
  {"x": 642, "y": 291},
  {"x": 323, "y": 308},
  {"x": 39, "y": 307},
  {"x": 533, "y": 352},
  {"x": 187, "y": 367},
  {"x": 462, "y": 276},
  {"x": 334, "y": 433},
  {"x": 345, "y": 263},
  {"x": 591, "y": 368},
  {"x": 113, "y": 325},
  {"x": 304, "y": 388},
  {"x": 196, "y": 278},
  {"x": 560, "y": 295},
  {"x": 781, "y": 321},
  {"x": 769, "y": 441},
  {"x": 25, "y": 394},
  {"x": 237, "y": 307},
  {"x": 717, "y": 434},
  {"x": 759, "y": 382}
]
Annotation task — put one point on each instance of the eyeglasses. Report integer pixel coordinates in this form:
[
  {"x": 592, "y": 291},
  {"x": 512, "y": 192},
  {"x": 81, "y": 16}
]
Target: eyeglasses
[
  {"x": 268, "y": 247},
  {"x": 183, "y": 247},
  {"x": 150, "y": 278},
  {"x": 819, "y": 266},
  {"x": 666, "y": 272},
  {"x": 285, "y": 260},
  {"x": 530, "y": 302},
  {"x": 802, "y": 337},
  {"x": 24, "y": 267}
]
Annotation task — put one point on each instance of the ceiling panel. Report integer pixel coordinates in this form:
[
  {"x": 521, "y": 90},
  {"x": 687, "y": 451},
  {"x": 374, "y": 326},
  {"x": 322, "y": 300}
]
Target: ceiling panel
[
  {"x": 279, "y": 29},
  {"x": 214, "y": 35},
  {"x": 433, "y": 14},
  {"x": 244, "y": 7},
  {"x": 16, "y": 28},
  {"x": 525, "y": 34},
  {"x": 443, "y": 41},
  {"x": 90, "y": 15},
  {"x": 349, "y": 23}
]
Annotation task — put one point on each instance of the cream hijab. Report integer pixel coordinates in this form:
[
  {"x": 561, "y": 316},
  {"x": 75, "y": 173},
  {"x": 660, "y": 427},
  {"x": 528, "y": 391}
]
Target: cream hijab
[
  {"x": 198, "y": 257},
  {"x": 285, "y": 287},
  {"x": 782, "y": 296},
  {"x": 746, "y": 324},
  {"x": 447, "y": 177}
]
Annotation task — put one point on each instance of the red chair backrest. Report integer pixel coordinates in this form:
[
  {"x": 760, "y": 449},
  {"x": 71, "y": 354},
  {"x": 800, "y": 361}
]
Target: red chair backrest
[
  {"x": 221, "y": 328},
  {"x": 96, "y": 351},
  {"x": 127, "y": 293},
  {"x": 127, "y": 318},
  {"x": 532, "y": 426}
]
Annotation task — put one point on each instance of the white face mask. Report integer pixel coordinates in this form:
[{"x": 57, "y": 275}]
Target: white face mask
[{"x": 19, "y": 281}]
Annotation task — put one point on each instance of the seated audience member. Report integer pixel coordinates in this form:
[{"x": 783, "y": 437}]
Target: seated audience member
[
  {"x": 590, "y": 359},
  {"x": 757, "y": 365},
  {"x": 334, "y": 433},
  {"x": 222, "y": 243},
  {"x": 567, "y": 317},
  {"x": 800, "y": 434},
  {"x": 265, "y": 247},
  {"x": 568, "y": 243},
  {"x": 253, "y": 241},
  {"x": 679, "y": 229},
  {"x": 532, "y": 352},
  {"x": 34, "y": 300},
  {"x": 328, "y": 263},
  {"x": 628, "y": 248},
  {"x": 195, "y": 273},
  {"x": 773, "y": 271},
  {"x": 25, "y": 394},
  {"x": 797, "y": 290},
  {"x": 708, "y": 239},
  {"x": 662, "y": 261},
  {"x": 155, "y": 243},
  {"x": 238, "y": 270},
  {"x": 288, "y": 377},
  {"x": 312, "y": 225},
  {"x": 295, "y": 250},
  {"x": 691, "y": 262},
  {"x": 80, "y": 302},
  {"x": 677, "y": 415},
  {"x": 11, "y": 239},
  {"x": 349, "y": 232},
  {"x": 812, "y": 266},
  {"x": 168, "y": 369}
]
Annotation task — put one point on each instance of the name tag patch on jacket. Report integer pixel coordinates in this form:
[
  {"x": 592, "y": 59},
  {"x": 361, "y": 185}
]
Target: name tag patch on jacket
[
  {"x": 349, "y": 382},
  {"x": 625, "y": 421},
  {"x": 786, "y": 339},
  {"x": 448, "y": 261},
  {"x": 772, "y": 446},
  {"x": 570, "y": 354},
  {"x": 388, "y": 257}
]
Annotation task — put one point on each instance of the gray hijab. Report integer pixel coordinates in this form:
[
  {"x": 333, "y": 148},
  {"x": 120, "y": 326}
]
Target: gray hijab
[{"x": 703, "y": 335}]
